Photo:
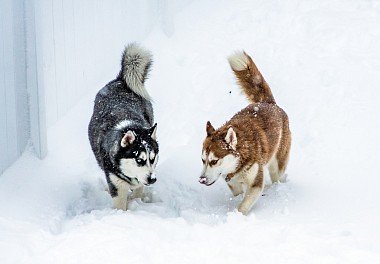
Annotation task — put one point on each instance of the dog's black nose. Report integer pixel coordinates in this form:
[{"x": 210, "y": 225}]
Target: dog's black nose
[{"x": 151, "y": 180}]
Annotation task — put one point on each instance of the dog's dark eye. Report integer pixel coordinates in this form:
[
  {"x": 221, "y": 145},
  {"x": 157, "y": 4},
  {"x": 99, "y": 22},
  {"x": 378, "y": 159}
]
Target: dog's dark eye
[
  {"x": 213, "y": 162},
  {"x": 203, "y": 161},
  {"x": 140, "y": 161}
]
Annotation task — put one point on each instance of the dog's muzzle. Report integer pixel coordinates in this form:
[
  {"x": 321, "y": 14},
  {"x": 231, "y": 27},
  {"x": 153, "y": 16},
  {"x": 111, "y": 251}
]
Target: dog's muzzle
[
  {"x": 151, "y": 179},
  {"x": 202, "y": 180}
]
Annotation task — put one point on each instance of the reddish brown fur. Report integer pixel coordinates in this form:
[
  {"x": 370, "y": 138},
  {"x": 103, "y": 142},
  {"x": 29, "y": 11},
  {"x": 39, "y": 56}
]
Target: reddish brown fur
[
  {"x": 262, "y": 130},
  {"x": 253, "y": 84},
  {"x": 260, "y": 134}
]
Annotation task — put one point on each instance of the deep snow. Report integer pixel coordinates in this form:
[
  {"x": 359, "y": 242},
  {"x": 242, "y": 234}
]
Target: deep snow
[{"x": 322, "y": 61}]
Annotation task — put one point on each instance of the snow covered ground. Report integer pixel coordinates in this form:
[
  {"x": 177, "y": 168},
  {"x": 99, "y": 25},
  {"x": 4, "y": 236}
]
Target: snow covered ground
[{"x": 322, "y": 61}]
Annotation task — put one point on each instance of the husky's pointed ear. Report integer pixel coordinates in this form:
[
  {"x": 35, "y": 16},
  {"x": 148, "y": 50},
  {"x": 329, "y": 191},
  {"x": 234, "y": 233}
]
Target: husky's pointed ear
[
  {"x": 128, "y": 139},
  {"x": 153, "y": 131},
  {"x": 231, "y": 138},
  {"x": 209, "y": 129}
]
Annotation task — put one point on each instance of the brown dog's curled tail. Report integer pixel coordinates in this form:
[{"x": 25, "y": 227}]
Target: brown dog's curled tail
[{"x": 250, "y": 79}]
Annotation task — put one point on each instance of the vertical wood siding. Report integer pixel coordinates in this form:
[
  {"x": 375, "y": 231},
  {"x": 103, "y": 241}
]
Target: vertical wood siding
[
  {"x": 14, "y": 121},
  {"x": 54, "y": 51},
  {"x": 75, "y": 38}
]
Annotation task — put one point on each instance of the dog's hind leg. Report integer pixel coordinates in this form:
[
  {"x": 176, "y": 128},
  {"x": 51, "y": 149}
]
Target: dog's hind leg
[
  {"x": 255, "y": 185},
  {"x": 274, "y": 171},
  {"x": 283, "y": 151}
]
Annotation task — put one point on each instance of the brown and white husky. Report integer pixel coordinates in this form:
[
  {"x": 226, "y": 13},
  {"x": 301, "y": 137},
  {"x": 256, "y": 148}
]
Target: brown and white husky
[{"x": 255, "y": 138}]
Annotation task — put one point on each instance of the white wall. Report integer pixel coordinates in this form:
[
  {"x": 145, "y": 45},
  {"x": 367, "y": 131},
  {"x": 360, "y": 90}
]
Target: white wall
[
  {"x": 54, "y": 51},
  {"x": 79, "y": 43},
  {"x": 14, "y": 119}
]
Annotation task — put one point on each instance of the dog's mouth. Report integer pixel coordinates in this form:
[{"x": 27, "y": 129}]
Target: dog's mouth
[
  {"x": 150, "y": 180},
  {"x": 209, "y": 184},
  {"x": 203, "y": 180}
]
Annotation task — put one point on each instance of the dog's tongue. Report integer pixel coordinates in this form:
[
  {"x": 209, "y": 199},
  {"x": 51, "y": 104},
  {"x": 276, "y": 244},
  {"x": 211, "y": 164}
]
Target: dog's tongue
[{"x": 202, "y": 180}]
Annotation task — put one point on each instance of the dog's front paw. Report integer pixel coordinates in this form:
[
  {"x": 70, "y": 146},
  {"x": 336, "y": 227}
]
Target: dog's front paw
[
  {"x": 242, "y": 209},
  {"x": 147, "y": 198},
  {"x": 150, "y": 196}
]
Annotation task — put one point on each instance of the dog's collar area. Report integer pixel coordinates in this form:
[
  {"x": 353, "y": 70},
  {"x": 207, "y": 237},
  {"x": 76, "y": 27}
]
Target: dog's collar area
[
  {"x": 130, "y": 180},
  {"x": 229, "y": 177}
]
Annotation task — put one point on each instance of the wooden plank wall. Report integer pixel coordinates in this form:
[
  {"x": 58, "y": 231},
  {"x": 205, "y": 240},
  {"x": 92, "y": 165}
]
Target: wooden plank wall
[
  {"x": 14, "y": 117},
  {"x": 52, "y": 52},
  {"x": 76, "y": 41}
]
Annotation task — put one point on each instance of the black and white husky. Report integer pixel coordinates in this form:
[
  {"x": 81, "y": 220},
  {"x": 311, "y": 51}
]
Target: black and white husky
[{"x": 122, "y": 132}]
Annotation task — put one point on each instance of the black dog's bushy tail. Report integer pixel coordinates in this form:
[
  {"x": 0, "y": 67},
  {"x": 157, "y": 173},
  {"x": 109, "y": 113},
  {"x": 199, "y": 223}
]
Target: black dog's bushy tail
[{"x": 135, "y": 65}]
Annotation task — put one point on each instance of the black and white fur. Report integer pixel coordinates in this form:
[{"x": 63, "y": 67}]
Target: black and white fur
[{"x": 122, "y": 132}]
